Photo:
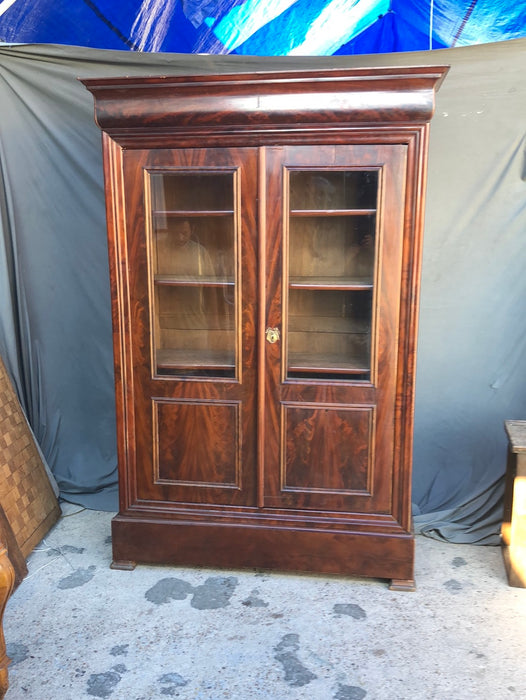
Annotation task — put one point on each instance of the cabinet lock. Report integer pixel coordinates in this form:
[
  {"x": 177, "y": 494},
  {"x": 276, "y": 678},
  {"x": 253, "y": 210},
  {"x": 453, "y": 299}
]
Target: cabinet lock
[{"x": 272, "y": 335}]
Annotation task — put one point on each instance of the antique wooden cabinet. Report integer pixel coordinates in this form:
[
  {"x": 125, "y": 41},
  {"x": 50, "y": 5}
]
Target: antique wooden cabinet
[{"x": 265, "y": 234}]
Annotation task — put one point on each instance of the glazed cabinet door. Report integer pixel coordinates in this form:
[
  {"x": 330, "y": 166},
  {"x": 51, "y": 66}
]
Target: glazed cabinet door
[
  {"x": 189, "y": 259},
  {"x": 334, "y": 248}
]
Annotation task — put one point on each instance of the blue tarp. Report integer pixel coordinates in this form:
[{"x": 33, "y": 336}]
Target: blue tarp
[{"x": 263, "y": 27}]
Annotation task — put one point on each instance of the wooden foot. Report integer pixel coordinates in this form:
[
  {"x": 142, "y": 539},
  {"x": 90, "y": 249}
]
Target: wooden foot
[
  {"x": 403, "y": 584},
  {"x": 123, "y": 565},
  {"x": 7, "y": 581}
]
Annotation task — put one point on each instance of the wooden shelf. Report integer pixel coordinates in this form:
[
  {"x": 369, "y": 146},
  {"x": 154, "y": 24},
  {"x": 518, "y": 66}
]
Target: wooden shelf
[
  {"x": 188, "y": 213},
  {"x": 328, "y": 324},
  {"x": 345, "y": 283},
  {"x": 335, "y": 364},
  {"x": 332, "y": 212},
  {"x": 193, "y": 281},
  {"x": 169, "y": 358}
]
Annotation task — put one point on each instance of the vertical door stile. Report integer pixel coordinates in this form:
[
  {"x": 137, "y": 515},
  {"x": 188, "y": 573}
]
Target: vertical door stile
[{"x": 260, "y": 329}]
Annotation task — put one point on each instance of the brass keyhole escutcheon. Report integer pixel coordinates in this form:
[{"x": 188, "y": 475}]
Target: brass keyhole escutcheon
[{"x": 272, "y": 335}]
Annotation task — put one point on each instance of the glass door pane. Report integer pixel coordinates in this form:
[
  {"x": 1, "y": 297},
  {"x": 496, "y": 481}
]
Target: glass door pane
[
  {"x": 331, "y": 265},
  {"x": 193, "y": 252}
]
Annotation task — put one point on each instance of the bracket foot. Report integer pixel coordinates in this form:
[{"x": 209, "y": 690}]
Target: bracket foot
[
  {"x": 123, "y": 565},
  {"x": 403, "y": 584}
]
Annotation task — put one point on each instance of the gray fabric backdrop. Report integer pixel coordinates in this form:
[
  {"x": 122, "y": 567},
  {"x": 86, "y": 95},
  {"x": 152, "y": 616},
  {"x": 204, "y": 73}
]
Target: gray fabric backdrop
[{"x": 55, "y": 323}]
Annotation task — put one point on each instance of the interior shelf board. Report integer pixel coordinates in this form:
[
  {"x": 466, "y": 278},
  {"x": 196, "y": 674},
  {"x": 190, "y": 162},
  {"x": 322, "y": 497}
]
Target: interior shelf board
[
  {"x": 185, "y": 213},
  {"x": 328, "y": 324},
  {"x": 332, "y": 212},
  {"x": 194, "y": 281},
  {"x": 345, "y": 283},
  {"x": 311, "y": 362},
  {"x": 170, "y": 358}
]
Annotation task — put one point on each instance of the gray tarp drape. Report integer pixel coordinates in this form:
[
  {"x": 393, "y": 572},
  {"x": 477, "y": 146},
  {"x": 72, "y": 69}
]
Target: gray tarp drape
[{"x": 55, "y": 320}]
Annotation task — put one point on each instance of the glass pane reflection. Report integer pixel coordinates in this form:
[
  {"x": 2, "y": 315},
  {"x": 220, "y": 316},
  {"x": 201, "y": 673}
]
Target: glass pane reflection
[
  {"x": 332, "y": 252},
  {"x": 193, "y": 254}
]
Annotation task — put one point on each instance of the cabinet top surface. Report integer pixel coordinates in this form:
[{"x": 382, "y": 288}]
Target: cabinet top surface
[{"x": 357, "y": 76}]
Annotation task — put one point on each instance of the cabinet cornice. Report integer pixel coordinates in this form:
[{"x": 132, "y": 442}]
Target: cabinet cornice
[{"x": 267, "y": 99}]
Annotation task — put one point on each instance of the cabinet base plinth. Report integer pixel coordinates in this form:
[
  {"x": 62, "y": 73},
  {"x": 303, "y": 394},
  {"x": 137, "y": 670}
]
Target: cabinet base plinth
[{"x": 277, "y": 547}]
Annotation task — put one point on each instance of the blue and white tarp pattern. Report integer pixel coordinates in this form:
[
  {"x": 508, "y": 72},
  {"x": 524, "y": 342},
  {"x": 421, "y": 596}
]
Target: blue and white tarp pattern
[{"x": 263, "y": 27}]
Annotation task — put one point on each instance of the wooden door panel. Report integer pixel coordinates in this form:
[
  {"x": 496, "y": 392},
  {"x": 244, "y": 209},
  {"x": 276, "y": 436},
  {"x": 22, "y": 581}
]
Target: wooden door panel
[
  {"x": 197, "y": 444},
  {"x": 340, "y": 437},
  {"x": 192, "y": 323},
  {"x": 331, "y": 407}
]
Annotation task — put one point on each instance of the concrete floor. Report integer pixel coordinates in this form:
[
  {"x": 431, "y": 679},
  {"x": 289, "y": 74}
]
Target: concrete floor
[{"x": 76, "y": 629}]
